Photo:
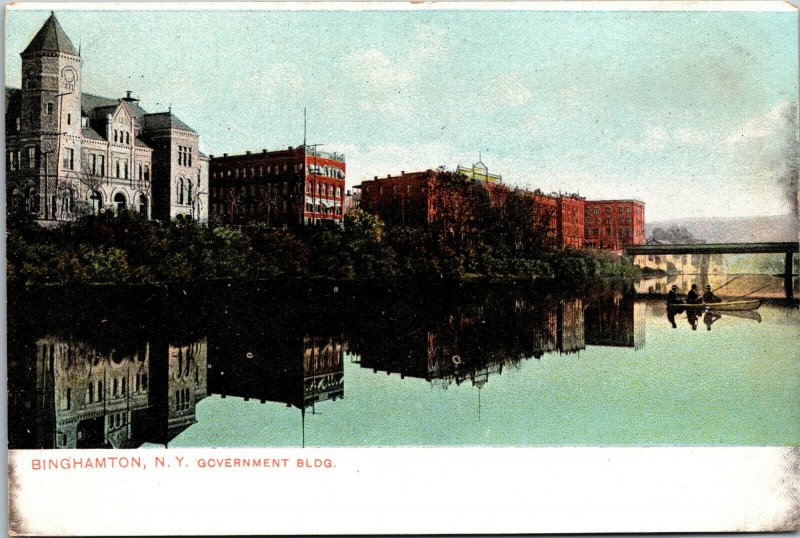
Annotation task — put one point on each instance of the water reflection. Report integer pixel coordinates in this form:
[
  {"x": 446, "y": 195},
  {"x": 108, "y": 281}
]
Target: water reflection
[
  {"x": 71, "y": 393},
  {"x": 129, "y": 384}
]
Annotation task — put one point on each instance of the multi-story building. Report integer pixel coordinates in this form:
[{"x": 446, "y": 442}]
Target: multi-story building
[
  {"x": 613, "y": 224},
  {"x": 70, "y": 153},
  {"x": 420, "y": 199},
  {"x": 291, "y": 187},
  {"x": 570, "y": 220}
]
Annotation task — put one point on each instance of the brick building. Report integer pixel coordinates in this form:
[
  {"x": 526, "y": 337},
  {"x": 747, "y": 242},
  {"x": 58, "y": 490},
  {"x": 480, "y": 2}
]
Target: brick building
[
  {"x": 613, "y": 224},
  {"x": 291, "y": 187},
  {"x": 405, "y": 199},
  {"x": 70, "y": 153},
  {"x": 571, "y": 221}
]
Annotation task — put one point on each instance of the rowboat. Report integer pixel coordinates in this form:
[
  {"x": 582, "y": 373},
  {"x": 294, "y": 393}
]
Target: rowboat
[{"x": 724, "y": 306}]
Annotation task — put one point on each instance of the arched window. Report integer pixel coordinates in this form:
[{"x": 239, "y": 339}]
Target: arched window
[
  {"x": 97, "y": 201},
  {"x": 318, "y": 188},
  {"x": 180, "y": 190},
  {"x": 15, "y": 198},
  {"x": 188, "y": 192},
  {"x": 119, "y": 201},
  {"x": 115, "y": 135},
  {"x": 31, "y": 200},
  {"x": 143, "y": 205},
  {"x": 68, "y": 202}
]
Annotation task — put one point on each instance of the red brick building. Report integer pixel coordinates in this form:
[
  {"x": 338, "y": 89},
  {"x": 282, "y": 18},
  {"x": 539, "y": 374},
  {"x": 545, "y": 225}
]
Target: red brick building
[
  {"x": 403, "y": 199},
  {"x": 291, "y": 187},
  {"x": 613, "y": 224},
  {"x": 546, "y": 211},
  {"x": 571, "y": 209}
]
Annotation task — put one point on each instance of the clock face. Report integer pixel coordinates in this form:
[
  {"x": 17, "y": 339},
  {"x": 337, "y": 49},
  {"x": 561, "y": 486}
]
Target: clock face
[{"x": 68, "y": 77}]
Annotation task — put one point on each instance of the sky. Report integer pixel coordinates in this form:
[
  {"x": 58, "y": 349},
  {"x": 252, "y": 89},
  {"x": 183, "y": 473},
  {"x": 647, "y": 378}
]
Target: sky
[{"x": 694, "y": 113}]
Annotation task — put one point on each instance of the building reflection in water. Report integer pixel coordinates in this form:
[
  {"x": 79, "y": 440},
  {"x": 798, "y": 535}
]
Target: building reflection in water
[
  {"x": 124, "y": 391},
  {"x": 288, "y": 367},
  {"x": 94, "y": 396},
  {"x": 476, "y": 342}
]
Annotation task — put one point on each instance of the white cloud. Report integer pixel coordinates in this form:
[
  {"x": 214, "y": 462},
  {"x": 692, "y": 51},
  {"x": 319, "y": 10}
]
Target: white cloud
[
  {"x": 278, "y": 79},
  {"x": 765, "y": 126},
  {"x": 511, "y": 89},
  {"x": 374, "y": 68}
]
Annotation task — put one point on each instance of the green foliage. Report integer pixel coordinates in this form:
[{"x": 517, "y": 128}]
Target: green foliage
[{"x": 123, "y": 248}]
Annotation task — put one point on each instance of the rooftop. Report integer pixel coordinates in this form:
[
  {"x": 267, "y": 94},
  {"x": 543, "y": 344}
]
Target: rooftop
[{"x": 51, "y": 38}]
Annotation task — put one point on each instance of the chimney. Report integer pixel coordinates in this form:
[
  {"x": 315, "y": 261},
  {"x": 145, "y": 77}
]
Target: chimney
[
  {"x": 248, "y": 152},
  {"x": 264, "y": 151},
  {"x": 402, "y": 172},
  {"x": 290, "y": 148},
  {"x": 376, "y": 177},
  {"x": 210, "y": 156},
  {"x": 388, "y": 175},
  {"x": 129, "y": 94},
  {"x": 224, "y": 154}
]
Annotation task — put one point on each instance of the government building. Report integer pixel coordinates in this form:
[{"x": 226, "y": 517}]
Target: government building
[{"x": 71, "y": 154}]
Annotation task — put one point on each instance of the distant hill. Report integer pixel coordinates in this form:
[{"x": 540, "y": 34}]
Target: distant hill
[{"x": 735, "y": 230}]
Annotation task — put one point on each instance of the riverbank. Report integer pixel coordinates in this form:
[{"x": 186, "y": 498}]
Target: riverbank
[{"x": 124, "y": 249}]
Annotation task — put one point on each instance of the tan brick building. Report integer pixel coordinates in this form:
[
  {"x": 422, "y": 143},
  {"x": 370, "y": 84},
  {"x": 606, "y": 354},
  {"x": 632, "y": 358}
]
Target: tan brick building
[{"x": 69, "y": 153}]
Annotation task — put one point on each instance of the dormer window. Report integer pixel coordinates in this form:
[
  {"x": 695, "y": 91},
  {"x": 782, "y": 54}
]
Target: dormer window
[{"x": 84, "y": 122}]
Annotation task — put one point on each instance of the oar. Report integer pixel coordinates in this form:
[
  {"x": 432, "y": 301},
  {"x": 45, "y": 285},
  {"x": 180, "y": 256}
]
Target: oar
[
  {"x": 751, "y": 293},
  {"x": 728, "y": 282}
]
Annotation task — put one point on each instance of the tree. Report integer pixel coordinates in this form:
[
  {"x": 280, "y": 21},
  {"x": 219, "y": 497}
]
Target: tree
[
  {"x": 675, "y": 234},
  {"x": 460, "y": 206}
]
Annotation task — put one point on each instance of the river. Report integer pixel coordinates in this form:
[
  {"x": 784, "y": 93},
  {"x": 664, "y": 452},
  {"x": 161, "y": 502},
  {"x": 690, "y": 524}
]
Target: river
[{"x": 501, "y": 365}]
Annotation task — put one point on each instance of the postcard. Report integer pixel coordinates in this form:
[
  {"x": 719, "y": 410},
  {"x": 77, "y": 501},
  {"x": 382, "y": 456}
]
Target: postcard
[{"x": 416, "y": 268}]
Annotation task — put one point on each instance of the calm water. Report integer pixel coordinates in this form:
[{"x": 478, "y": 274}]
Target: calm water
[{"x": 505, "y": 366}]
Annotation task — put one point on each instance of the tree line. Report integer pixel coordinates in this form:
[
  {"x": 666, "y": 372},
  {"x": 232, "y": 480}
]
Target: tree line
[{"x": 472, "y": 237}]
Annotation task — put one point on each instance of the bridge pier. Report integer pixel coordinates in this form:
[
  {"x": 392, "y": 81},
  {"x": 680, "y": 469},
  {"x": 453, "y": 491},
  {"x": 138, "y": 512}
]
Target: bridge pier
[{"x": 788, "y": 285}]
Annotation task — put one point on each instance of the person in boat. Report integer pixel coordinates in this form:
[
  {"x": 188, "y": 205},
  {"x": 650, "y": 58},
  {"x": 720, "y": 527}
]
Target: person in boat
[
  {"x": 673, "y": 297},
  {"x": 709, "y": 297},
  {"x": 693, "y": 297}
]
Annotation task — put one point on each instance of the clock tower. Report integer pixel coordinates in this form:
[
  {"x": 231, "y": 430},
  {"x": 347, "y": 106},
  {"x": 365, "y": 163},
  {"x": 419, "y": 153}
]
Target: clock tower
[{"x": 50, "y": 120}]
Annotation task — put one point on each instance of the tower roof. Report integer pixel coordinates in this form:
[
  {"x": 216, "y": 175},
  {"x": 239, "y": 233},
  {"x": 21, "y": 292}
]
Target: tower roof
[{"x": 51, "y": 38}]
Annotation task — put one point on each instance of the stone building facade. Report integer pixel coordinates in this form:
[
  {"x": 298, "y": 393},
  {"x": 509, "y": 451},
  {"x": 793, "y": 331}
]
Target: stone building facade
[{"x": 70, "y": 153}]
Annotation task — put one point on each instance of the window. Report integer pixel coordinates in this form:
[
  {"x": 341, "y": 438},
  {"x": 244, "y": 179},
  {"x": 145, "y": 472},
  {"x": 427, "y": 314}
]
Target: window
[
  {"x": 127, "y": 137},
  {"x": 69, "y": 159},
  {"x": 97, "y": 202},
  {"x": 69, "y": 119},
  {"x": 139, "y": 168},
  {"x": 117, "y": 168},
  {"x": 120, "y": 203},
  {"x": 68, "y": 397},
  {"x": 608, "y": 231},
  {"x": 49, "y": 109},
  {"x": 126, "y": 169},
  {"x": 19, "y": 123},
  {"x": 146, "y": 173},
  {"x": 68, "y": 203},
  {"x": 99, "y": 391},
  {"x": 608, "y": 211},
  {"x": 31, "y": 157}
]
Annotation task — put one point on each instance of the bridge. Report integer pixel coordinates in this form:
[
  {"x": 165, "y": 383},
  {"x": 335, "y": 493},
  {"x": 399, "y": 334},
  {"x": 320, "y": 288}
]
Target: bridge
[{"x": 789, "y": 249}]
